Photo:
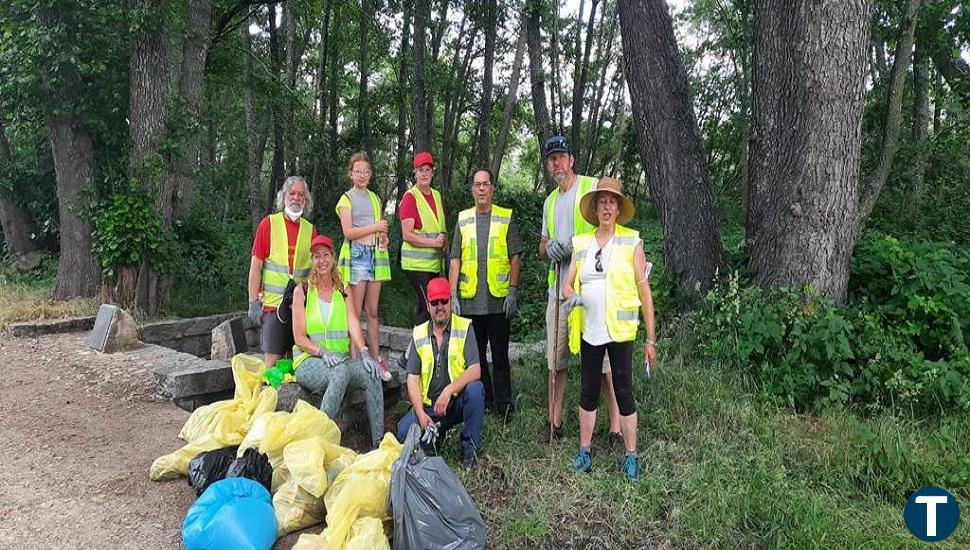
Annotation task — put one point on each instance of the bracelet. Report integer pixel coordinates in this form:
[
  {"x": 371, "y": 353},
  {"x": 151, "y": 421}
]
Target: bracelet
[{"x": 651, "y": 343}]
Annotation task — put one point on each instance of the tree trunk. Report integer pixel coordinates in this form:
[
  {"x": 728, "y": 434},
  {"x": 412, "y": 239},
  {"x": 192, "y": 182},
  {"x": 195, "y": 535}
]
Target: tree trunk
[
  {"x": 325, "y": 45},
  {"x": 422, "y": 140},
  {"x": 605, "y": 56},
  {"x": 670, "y": 145},
  {"x": 191, "y": 79},
  {"x": 537, "y": 76},
  {"x": 459, "y": 67},
  {"x": 556, "y": 91},
  {"x": 401, "y": 168},
  {"x": 894, "y": 104},
  {"x": 921, "y": 119},
  {"x": 363, "y": 122},
  {"x": 149, "y": 94},
  {"x": 17, "y": 224},
  {"x": 292, "y": 63},
  {"x": 278, "y": 171},
  {"x": 485, "y": 111},
  {"x": 808, "y": 91},
  {"x": 254, "y": 160},
  {"x": 579, "y": 87},
  {"x": 511, "y": 98}
]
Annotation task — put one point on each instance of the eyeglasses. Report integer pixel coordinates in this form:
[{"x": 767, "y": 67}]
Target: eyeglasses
[
  {"x": 361, "y": 172},
  {"x": 441, "y": 302},
  {"x": 599, "y": 263},
  {"x": 425, "y": 169}
]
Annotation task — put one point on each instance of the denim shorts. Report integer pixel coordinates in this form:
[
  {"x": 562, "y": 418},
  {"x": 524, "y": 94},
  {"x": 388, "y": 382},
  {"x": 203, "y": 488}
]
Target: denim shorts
[{"x": 362, "y": 263}]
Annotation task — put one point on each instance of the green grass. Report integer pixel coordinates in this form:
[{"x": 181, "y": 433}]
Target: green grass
[{"x": 722, "y": 468}]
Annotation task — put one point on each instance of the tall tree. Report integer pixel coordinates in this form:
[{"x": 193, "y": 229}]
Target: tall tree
[
  {"x": 278, "y": 169},
  {"x": 485, "y": 109},
  {"x": 579, "y": 85},
  {"x": 669, "y": 144},
  {"x": 254, "y": 156},
  {"x": 894, "y": 104},
  {"x": 921, "y": 119},
  {"x": 363, "y": 117},
  {"x": 537, "y": 74},
  {"x": 808, "y": 90},
  {"x": 78, "y": 273},
  {"x": 419, "y": 110},
  {"x": 401, "y": 166},
  {"x": 17, "y": 224},
  {"x": 511, "y": 98}
]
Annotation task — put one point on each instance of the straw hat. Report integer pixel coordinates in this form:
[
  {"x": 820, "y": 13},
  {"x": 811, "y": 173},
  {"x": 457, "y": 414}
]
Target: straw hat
[{"x": 587, "y": 203}]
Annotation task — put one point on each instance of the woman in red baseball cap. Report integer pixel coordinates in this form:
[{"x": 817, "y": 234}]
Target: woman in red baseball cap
[
  {"x": 323, "y": 329},
  {"x": 423, "y": 230}
]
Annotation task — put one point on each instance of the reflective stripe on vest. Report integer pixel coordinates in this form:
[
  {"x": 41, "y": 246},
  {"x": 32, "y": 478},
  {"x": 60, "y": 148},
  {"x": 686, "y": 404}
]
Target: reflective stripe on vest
[
  {"x": 276, "y": 267},
  {"x": 382, "y": 261},
  {"x": 580, "y": 225},
  {"x": 622, "y": 298},
  {"x": 416, "y": 258},
  {"x": 332, "y": 335},
  {"x": 498, "y": 268},
  {"x": 456, "y": 352}
]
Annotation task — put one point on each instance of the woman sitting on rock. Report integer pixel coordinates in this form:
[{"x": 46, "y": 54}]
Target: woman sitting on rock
[{"x": 323, "y": 330}]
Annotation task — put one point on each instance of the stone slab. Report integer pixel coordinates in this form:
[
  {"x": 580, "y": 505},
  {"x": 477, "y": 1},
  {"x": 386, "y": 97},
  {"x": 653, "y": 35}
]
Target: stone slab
[
  {"x": 114, "y": 330},
  {"x": 51, "y": 326},
  {"x": 180, "y": 375},
  {"x": 174, "y": 329}
]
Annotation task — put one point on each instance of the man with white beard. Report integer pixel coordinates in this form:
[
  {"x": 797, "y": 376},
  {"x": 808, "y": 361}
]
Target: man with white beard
[{"x": 280, "y": 261}]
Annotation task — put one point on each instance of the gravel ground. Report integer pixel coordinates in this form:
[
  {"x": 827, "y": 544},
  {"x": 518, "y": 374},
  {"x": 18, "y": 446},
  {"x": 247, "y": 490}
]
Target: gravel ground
[{"x": 80, "y": 430}]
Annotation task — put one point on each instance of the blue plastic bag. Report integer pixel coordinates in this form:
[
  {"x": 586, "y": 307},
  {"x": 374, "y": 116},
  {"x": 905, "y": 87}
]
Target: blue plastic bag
[{"x": 232, "y": 514}]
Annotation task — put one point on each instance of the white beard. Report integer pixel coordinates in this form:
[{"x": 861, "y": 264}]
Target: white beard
[{"x": 292, "y": 213}]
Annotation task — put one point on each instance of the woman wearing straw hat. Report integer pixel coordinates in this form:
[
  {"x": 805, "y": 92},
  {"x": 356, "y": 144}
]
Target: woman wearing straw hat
[
  {"x": 323, "y": 329},
  {"x": 608, "y": 277}
]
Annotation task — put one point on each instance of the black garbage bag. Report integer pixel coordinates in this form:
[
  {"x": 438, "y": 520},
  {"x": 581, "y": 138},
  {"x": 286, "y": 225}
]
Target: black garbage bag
[
  {"x": 430, "y": 507},
  {"x": 209, "y": 467},
  {"x": 252, "y": 465}
]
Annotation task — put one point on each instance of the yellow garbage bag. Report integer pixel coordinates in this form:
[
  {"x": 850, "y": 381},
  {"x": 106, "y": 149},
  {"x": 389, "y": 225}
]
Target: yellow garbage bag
[
  {"x": 310, "y": 542},
  {"x": 271, "y": 432},
  {"x": 368, "y": 534},
  {"x": 220, "y": 424},
  {"x": 337, "y": 460},
  {"x": 306, "y": 462},
  {"x": 361, "y": 490},
  {"x": 295, "y": 508}
]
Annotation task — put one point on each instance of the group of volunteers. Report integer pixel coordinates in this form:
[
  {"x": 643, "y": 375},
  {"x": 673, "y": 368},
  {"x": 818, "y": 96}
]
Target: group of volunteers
[{"x": 466, "y": 293}]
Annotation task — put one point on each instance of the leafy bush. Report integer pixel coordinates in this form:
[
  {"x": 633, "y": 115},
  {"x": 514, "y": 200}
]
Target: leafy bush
[
  {"x": 127, "y": 229},
  {"x": 899, "y": 342}
]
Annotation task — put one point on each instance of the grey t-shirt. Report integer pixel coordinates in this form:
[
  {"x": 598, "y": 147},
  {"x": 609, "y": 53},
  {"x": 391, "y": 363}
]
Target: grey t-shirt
[
  {"x": 439, "y": 376},
  {"x": 361, "y": 209},
  {"x": 483, "y": 303},
  {"x": 562, "y": 216}
]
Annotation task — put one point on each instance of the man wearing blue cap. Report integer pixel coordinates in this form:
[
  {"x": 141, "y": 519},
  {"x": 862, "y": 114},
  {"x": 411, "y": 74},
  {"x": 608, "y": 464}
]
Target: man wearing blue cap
[{"x": 561, "y": 219}]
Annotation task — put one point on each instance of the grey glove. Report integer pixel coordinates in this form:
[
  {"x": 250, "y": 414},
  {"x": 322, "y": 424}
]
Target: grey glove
[
  {"x": 566, "y": 250},
  {"x": 572, "y": 302},
  {"x": 370, "y": 365},
  {"x": 330, "y": 359},
  {"x": 553, "y": 250},
  {"x": 455, "y": 305},
  {"x": 511, "y": 302},
  {"x": 430, "y": 435},
  {"x": 256, "y": 313}
]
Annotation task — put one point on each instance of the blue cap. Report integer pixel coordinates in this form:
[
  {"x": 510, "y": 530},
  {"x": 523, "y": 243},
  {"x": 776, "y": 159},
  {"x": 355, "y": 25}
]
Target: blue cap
[{"x": 556, "y": 144}]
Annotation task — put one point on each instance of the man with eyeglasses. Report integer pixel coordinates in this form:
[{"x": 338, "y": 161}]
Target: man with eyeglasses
[
  {"x": 484, "y": 278},
  {"x": 425, "y": 243},
  {"x": 443, "y": 377},
  {"x": 561, "y": 220}
]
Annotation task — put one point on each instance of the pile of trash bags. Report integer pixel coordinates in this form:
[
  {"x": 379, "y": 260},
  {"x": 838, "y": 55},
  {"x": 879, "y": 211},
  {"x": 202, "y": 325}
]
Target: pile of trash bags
[{"x": 261, "y": 474}]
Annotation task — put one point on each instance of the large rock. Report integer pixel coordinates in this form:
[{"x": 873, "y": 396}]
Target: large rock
[
  {"x": 51, "y": 326},
  {"x": 232, "y": 337},
  {"x": 193, "y": 335},
  {"x": 114, "y": 330}
]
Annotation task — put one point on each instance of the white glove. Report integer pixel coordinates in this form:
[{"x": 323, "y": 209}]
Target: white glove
[
  {"x": 370, "y": 365},
  {"x": 455, "y": 305}
]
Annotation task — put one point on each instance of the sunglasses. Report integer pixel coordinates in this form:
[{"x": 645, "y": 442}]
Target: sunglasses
[
  {"x": 440, "y": 302},
  {"x": 599, "y": 261}
]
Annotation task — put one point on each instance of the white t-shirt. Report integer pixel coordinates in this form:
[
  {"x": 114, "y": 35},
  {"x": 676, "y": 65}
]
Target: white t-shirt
[{"x": 593, "y": 284}]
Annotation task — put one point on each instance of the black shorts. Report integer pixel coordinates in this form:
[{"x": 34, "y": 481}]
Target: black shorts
[{"x": 277, "y": 336}]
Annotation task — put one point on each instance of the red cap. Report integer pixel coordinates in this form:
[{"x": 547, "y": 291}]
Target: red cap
[
  {"x": 438, "y": 288},
  {"x": 423, "y": 158},
  {"x": 321, "y": 239}
]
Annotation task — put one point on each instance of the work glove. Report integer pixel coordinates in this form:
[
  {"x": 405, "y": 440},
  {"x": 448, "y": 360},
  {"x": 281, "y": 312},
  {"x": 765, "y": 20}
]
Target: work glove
[
  {"x": 566, "y": 251},
  {"x": 429, "y": 437},
  {"x": 370, "y": 365},
  {"x": 455, "y": 305},
  {"x": 330, "y": 359},
  {"x": 553, "y": 250},
  {"x": 572, "y": 302},
  {"x": 256, "y": 312},
  {"x": 511, "y": 302}
]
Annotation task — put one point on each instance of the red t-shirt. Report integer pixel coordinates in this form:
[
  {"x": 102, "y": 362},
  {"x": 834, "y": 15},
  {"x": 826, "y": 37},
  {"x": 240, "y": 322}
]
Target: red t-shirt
[
  {"x": 262, "y": 240},
  {"x": 409, "y": 208}
]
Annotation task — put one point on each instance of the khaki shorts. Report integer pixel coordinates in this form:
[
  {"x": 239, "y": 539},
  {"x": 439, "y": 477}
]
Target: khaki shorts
[{"x": 557, "y": 341}]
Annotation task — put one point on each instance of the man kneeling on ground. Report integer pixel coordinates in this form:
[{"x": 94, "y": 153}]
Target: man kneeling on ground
[{"x": 443, "y": 376}]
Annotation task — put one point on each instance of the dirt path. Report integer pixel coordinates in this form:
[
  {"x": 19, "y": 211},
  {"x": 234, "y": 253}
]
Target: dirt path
[{"x": 79, "y": 431}]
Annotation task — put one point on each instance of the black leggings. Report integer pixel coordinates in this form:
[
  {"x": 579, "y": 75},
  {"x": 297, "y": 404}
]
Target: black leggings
[
  {"x": 419, "y": 281},
  {"x": 621, "y": 362}
]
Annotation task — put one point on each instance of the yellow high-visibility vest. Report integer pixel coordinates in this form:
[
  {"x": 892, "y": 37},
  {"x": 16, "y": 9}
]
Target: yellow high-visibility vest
[
  {"x": 580, "y": 225},
  {"x": 416, "y": 258},
  {"x": 498, "y": 268},
  {"x": 276, "y": 266},
  {"x": 456, "y": 352},
  {"x": 332, "y": 334},
  {"x": 622, "y": 298}
]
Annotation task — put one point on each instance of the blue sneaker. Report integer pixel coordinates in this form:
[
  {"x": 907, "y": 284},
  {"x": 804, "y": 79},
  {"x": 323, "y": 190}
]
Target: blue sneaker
[
  {"x": 582, "y": 462},
  {"x": 631, "y": 467}
]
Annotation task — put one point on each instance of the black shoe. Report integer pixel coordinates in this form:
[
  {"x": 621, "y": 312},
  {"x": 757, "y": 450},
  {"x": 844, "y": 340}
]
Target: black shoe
[{"x": 468, "y": 462}]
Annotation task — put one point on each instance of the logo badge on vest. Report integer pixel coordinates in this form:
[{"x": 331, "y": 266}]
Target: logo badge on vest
[{"x": 932, "y": 514}]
